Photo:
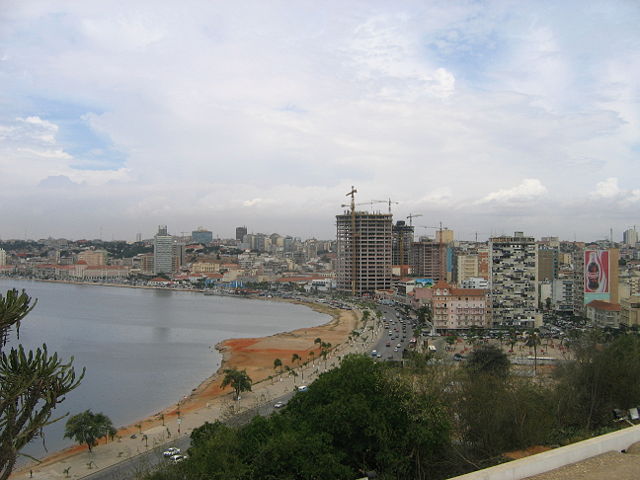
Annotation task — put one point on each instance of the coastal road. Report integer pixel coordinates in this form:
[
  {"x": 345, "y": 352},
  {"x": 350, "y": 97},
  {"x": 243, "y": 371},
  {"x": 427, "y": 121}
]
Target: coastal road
[{"x": 128, "y": 469}]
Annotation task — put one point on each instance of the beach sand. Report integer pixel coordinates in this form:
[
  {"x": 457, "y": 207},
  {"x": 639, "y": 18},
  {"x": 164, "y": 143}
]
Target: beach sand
[{"x": 255, "y": 355}]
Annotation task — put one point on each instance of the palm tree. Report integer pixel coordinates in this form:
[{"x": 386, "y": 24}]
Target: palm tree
[
  {"x": 513, "y": 339},
  {"x": 238, "y": 379},
  {"x": 87, "y": 427},
  {"x": 312, "y": 354},
  {"x": 277, "y": 363},
  {"x": 532, "y": 341},
  {"x": 325, "y": 348}
]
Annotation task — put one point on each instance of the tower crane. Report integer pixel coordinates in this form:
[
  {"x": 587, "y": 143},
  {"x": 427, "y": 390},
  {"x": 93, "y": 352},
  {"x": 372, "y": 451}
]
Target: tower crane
[
  {"x": 385, "y": 201},
  {"x": 411, "y": 216},
  {"x": 352, "y": 194}
]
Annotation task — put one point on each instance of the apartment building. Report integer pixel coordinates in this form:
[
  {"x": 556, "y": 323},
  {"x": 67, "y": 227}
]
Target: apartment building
[
  {"x": 513, "y": 280},
  {"x": 459, "y": 308}
]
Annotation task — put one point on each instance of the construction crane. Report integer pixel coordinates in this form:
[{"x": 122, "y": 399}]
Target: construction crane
[
  {"x": 385, "y": 201},
  {"x": 352, "y": 194},
  {"x": 364, "y": 203},
  {"x": 411, "y": 216}
]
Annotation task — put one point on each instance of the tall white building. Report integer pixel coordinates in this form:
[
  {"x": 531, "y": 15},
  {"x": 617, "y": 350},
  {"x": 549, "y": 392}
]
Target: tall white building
[
  {"x": 513, "y": 279},
  {"x": 364, "y": 248},
  {"x": 630, "y": 237},
  {"x": 162, "y": 251},
  {"x": 3, "y": 258}
]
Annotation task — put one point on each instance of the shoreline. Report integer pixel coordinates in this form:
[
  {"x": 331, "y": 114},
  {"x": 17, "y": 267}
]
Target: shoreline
[{"x": 256, "y": 355}]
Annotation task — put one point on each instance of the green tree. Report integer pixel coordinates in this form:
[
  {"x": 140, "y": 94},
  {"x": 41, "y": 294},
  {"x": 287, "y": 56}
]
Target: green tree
[
  {"x": 87, "y": 427},
  {"x": 488, "y": 359},
  {"x": 238, "y": 379},
  {"x": 32, "y": 384},
  {"x": 277, "y": 365},
  {"x": 532, "y": 341}
]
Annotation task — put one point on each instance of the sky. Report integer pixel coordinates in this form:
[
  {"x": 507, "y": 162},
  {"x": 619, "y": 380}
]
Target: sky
[{"x": 487, "y": 116}]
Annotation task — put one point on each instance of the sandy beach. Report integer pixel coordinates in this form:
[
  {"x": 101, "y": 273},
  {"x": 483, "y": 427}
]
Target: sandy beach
[{"x": 209, "y": 401}]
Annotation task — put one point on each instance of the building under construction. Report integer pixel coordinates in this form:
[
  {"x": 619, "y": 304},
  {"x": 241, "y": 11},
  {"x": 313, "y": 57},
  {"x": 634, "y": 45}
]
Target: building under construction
[
  {"x": 402, "y": 239},
  {"x": 364, "y": 248}
]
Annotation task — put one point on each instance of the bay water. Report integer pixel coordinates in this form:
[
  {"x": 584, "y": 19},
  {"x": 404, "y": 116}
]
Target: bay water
[{"x": 143, "y": 349}]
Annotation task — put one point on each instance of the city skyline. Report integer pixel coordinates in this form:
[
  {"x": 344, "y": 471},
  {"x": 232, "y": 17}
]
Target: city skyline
[{"x": 491, "y": 117}]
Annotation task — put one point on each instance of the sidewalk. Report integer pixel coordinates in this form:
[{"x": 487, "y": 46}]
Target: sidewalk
[{"x": 82, "y": 463}]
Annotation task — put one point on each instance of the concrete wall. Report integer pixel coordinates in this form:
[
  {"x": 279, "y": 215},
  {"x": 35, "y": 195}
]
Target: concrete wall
[{"x": 558, "y": 457}]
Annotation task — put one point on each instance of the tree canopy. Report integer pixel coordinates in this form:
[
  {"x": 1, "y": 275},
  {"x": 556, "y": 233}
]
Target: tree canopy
[
  {"x": 238, "y": 379},
  {"x": 87, "y": 427}
]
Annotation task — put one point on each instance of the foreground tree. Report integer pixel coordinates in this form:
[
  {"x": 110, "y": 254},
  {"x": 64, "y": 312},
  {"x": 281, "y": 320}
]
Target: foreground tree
[
  {"x": 488, "y": 359},
  {"x": 87, "y": 427},
  {"x": 32, "y": 384},
  {"x": 238, "y": 379}
]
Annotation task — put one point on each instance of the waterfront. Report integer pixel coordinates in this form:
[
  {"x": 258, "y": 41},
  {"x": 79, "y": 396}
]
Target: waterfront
[{"x": 144, "y": 349}]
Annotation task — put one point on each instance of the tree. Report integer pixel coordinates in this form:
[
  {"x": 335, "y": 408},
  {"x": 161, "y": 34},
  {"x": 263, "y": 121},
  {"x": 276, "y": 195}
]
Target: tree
[
  {"x": 532, "y": 341},
  {"x": 277, "y": 364},
  {"x": 87, "y": 427},
  {"x": 238, "y": 379},
  {"x": 488, "y": 359},
  {"x": 32, "y": 384}
]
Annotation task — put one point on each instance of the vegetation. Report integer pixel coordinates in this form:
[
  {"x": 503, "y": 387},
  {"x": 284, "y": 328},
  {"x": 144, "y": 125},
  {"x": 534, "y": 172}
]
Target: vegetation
[
  {"x": 238, "y": 379},
  {"x": 32, "y": 384},
  {"x": 87, "y": 427},
  {"x": 425, "y": 419}
]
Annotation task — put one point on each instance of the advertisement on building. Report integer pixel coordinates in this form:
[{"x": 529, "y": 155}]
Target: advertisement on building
[
  {"x": 425, "y": 282},
  {"x": 596, "y": 275}
]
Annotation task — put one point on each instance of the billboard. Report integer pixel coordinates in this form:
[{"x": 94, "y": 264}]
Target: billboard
[
  {"x": 425, "y": 282},
  {"x": 596, "y": 271}
]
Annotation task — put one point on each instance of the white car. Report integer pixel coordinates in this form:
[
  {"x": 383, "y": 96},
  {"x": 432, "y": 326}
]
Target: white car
[
  {"x": 303, "y": 388},
  {"x": 171, "y": 451},
  {"x": 278, "y": 405},
  {"x": 177, "y": 458}
]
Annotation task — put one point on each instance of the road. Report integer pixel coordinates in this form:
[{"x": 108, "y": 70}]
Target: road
[{"x": 128, "y": 469}]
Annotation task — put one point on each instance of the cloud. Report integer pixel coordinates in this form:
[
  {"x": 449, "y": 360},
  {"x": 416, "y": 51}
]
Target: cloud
[
  {"x": 530, "y": 189},
  {"x": 433, "y": 104},
  {"x": 608, "y": 188}
]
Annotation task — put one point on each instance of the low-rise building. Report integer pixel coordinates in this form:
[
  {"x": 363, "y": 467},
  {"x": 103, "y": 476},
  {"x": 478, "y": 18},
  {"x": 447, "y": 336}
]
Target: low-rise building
[
  {"x": 603, "y": 314},
  {"x": 459, "y": 308},
  {"x": 630, "y": 310}
]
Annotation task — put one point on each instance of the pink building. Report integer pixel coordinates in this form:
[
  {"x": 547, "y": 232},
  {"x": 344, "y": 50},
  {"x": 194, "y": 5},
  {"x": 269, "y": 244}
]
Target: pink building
[{"x": 459, "y": 308}]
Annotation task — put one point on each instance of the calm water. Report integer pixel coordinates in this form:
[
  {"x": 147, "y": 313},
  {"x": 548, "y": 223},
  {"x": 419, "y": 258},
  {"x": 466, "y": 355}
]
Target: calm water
[{"x": 143, "y": 349}]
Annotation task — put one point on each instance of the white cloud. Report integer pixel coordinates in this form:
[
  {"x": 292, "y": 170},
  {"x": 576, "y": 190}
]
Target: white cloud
[
  {"x": 608, "y": 188},
  {"x": 530, "y": 189}
]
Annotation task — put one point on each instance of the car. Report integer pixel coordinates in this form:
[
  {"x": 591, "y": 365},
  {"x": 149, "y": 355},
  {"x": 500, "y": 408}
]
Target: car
[
  {"x": 177, "y": 458},
  {"x": 303, "y": 388},
  {"x": 169, "y": 452},
  {"x": 379, "y": 355},
  {"x": 399, "y": 345},
  {"x": 388, "y": 344},
  {"x": 395, "y": 349},
  {"x": 279, "y": 405}
]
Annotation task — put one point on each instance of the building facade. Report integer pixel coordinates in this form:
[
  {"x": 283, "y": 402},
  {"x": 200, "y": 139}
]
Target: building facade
[
  {"x": 364, "y": 252},
  {"x": 459, "y": 308},
  {"x": 162, "y": 251},
  {"x": 402, "y": 239},
  {"x": 201, "y": 236},
  {"x": 428, "y": 259},
  {"x": 513, "y": 279}
]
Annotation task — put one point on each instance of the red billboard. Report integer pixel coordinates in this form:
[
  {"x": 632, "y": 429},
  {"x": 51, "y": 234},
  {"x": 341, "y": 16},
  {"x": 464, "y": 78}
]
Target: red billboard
[{"x": 596, "y": 271}]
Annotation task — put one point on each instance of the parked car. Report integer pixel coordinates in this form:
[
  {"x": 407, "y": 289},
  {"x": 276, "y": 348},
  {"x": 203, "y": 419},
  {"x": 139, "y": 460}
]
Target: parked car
[
  {"x": 279, "y": 405},
  {"x": 171, "y": 451},
  {"x": 303, "y": 388}
]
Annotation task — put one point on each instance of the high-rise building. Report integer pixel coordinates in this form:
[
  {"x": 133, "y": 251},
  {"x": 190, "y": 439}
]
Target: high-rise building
[
  {"x": 93, "y": 258},
  {"x": 201, "y": 236},
  {"x": 630, "y": 237},
  {"x": 467, "y": 267},
  {"x": 364, "y": 251},
  {"x": 402, "y": 239},
  {"x": 429, "y": 259},
  {"x": 513, "y": 277},
  {"x": 162, "y": 251},
  {"x": 445, "y": 235},
  {"x": 240, "y": 233},
  {"x": 3, "y": 258},
  {"x": 547, "y": 263}
]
